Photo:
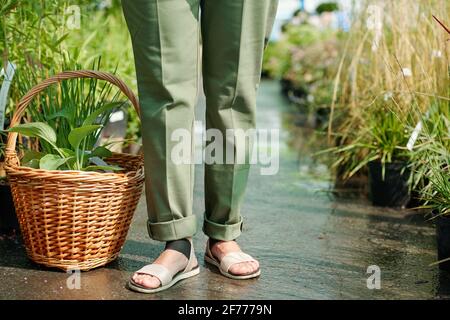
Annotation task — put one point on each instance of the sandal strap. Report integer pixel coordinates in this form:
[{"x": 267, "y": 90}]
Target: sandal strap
[
  {"x": 192, "y": 262},
  {"x": 159, "y": 271},
  {"x": 233, "y": 258}
]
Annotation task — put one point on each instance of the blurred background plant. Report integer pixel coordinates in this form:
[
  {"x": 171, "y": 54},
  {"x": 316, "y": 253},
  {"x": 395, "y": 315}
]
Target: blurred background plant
[
  {"x": 100, "y": 18},
  {"x": 327, "y": 7},
  {"x": 304, "y": 60},
  {"x": 378, "y": 87},
  {"x": 365, "y": 84},
  {"x": 43, "y": 37},
  {"x": 390, "y": 75},
  {"x": 31, "y": 34}
]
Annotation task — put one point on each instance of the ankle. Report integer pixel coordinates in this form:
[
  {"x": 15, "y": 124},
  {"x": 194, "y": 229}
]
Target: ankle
[
  {"x": 213, "y": 242},
  {"x": 182, "y": 246},
  {"x": 219, "y": 248}
]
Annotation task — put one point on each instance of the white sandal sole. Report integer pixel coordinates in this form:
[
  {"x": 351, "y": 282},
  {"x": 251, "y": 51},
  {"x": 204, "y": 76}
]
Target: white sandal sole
[
  {"x": 135, "y": 287},
  {"x": 229, "y": 275}
]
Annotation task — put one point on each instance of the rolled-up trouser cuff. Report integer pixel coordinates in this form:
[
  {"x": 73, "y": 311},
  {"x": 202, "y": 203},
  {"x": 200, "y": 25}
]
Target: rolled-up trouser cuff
[
  {"x": 173, "y": 230},
  {"x": 224, "y": 232}
]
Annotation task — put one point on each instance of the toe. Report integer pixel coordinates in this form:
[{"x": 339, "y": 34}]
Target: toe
[
  {"x": 151, "y": 282},
  {"x": 235, "y": 269},
  {"x": 239, "y": 269},
  {"x": 146, "y": 281},
  {"x": 136, "y": 277},
  {"x": 242, "y": 269}
]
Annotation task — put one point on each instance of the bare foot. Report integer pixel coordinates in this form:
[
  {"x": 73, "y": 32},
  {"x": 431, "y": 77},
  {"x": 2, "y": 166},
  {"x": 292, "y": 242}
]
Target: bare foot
[
  {"x": 222, "y": 248},
  {"x": 173, "y": 260}
]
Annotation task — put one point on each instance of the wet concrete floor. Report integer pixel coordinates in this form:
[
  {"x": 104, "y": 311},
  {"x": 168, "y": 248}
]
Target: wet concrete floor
[{"x": 310, "y": 245}]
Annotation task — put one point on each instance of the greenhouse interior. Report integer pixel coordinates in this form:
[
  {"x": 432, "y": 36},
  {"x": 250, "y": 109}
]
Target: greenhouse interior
[{"x": 348, "y": 196}]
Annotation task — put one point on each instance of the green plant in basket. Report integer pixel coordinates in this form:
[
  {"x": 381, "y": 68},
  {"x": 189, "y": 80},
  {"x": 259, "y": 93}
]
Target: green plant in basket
[
  {"x": 79, "y": 155},
  {"x": 67, "y": 121}
]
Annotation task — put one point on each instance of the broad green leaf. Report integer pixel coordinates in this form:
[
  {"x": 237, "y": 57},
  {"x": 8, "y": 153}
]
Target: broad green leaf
[
  {"x": 78, "y": 134},
  {"x": 70, "y": 155},
  {"x": 94, "y": 115},
  {"x": 67, "y": 152},
  {"x": 33, "y": 163},
  {"x": 96, "y": 161},
  {"x": 51, "y": 162},
  {"x": 31, "y": 155},
  {"x": 36, "y": 129},
  {"x": 104, "y": 168},
  {"x": 101, "y": 152}
]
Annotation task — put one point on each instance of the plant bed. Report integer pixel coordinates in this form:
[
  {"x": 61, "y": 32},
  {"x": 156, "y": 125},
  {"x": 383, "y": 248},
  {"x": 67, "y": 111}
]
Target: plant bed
[{"x": 390, "y": 189}]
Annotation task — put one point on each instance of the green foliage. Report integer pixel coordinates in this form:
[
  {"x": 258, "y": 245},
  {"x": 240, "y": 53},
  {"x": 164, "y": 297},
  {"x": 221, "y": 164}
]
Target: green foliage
[
  {"x": 77, "y": 135},
  {"x": 384, "y": 138},
  {"x": 432, "y": 149},
  {"x": 89, "y": 43},
  {"x": 327, "y": 7},
  {"x": 35, "y": 36},
  {"x": 62, "y": 156},
  {"x": 2, "y": 145},
  {"x": 305, "y": 58},
  {"x": 36, "y": 130},
  {"x": 51, "y": 162},
  {"x": 437, "y": 194},
  {"x": 31, "y": 32},
  {"x": 67, "y": 119},
  {"x": 280, "y": 56},
  {"x": 31, "y": 36},
  {"x": 412, "y": 80}
]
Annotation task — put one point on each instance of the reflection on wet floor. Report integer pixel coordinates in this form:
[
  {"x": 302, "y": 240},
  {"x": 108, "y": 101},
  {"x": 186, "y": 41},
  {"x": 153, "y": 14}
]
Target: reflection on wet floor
[{"x": 310, "y": 244}]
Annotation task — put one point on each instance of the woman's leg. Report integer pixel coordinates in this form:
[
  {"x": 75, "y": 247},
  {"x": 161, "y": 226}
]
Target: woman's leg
[
  {"x": 165, "y": 37},
  {"x": 234, "y": 35}
]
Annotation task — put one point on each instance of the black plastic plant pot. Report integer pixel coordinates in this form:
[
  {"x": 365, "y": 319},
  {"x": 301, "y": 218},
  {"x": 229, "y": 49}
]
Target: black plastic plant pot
[
  {"x": 443, "y": 241},
  {"x": 8, "y": 218},
  {"x": 393, "y": 190}
]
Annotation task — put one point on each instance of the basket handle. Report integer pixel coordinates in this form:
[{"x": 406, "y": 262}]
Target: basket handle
[{"x": 10, "y": 150}]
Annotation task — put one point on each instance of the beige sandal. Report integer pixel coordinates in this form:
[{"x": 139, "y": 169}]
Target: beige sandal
[
  {"x": 165, "y": 276},
  {"x": 229, "y": 260}
]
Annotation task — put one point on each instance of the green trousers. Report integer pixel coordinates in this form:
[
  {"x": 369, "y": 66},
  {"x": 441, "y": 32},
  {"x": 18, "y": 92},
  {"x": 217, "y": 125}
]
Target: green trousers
[{"x": 166, "y": 37}]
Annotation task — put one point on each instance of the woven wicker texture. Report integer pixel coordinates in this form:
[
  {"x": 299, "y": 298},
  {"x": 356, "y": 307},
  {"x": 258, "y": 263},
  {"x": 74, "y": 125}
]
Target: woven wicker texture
[{"x": 74, "y": 219}]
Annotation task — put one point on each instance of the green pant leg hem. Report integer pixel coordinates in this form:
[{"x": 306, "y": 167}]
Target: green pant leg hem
[
  {"x": 173, "y": 230},
  {"x": 224, "y": 232}
]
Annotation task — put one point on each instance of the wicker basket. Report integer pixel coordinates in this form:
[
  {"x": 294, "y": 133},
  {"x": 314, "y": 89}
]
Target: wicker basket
[{"x": 74, "y": 219}]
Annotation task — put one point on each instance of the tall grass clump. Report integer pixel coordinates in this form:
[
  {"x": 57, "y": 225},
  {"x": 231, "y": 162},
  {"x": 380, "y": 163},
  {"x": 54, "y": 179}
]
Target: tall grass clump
[{"x": 393, "y": 75}]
